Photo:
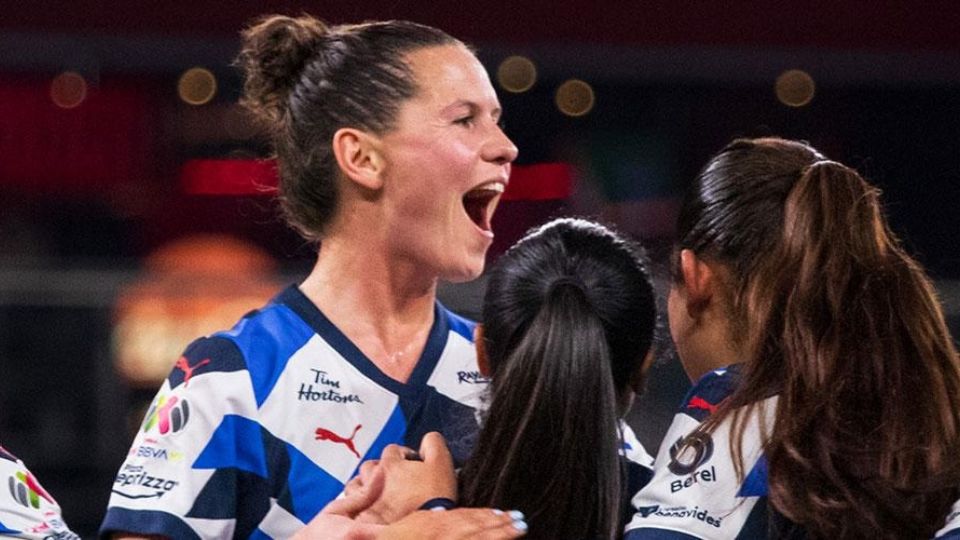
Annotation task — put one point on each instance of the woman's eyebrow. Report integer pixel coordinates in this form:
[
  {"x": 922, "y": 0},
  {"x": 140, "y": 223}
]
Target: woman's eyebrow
[{"x": 472, "y": 106}]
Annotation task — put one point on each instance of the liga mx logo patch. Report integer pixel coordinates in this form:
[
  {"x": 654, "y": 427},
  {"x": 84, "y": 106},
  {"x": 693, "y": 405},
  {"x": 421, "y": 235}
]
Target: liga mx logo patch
[
  {"x": 169, "y": 414},
  {"x": 26, "y": 490}
]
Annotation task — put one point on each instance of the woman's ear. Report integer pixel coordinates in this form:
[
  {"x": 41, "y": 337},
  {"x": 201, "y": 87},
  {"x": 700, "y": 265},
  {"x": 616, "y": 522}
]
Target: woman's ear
[
  {"x": 358, "y": 156},
  {"x": 482, "y": 363},
  {"x": 698, "y": 282},
  {"x": 640, "y": 373}
]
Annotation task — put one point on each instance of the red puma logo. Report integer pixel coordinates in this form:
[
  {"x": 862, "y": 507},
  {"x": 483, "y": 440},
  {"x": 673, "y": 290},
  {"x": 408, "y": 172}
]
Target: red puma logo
[
  {"x": 699, "y": 403},
  {"x": 327, "y": 435},
  {"x": 184, "y": 365}
]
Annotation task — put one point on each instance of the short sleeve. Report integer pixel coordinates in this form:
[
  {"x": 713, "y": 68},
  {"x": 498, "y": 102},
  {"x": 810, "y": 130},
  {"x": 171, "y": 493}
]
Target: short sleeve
[
  {"x": 164, "y": 487},
  {"x": 26, "y": 509},
  {"x": 695, "y": 491}
]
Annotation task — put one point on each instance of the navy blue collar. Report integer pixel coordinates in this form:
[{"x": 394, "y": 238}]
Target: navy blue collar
[{"x": 294, "y": 298}]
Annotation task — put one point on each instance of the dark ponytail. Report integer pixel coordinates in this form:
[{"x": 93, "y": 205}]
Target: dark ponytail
[
  {"x": 846, "y": 329},
  {"x": 568, "y": 317}
]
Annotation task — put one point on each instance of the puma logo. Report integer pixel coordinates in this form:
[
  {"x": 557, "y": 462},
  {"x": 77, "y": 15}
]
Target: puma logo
[
  {"x": 699, "y": 403},
  {"x": 184, "y": 365},
  {"x": 327, "y": 435}
]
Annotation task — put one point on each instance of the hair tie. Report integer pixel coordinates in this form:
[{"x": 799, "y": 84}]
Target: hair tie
[
  {"x": 573, "y": 280},
  {"x": 824, "y": 161}
]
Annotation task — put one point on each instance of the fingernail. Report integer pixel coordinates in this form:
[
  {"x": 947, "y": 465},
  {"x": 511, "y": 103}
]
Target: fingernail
[
  {"x": 515, "y": 515},
  {"x": 497, "y": 512},
  {"x": 520, "y": 526}
]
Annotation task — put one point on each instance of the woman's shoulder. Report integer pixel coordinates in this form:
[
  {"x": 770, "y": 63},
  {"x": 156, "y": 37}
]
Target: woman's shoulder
[
  {"x": 709, "y": 391},
  {"x": 28, "y": 511}
]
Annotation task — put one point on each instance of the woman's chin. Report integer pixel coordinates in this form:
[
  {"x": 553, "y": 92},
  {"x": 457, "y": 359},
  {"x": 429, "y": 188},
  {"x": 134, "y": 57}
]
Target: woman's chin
[{"x": 466, "y": 272}]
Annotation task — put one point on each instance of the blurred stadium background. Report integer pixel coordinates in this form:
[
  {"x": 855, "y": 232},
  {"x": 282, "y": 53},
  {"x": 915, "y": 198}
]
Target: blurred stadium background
[{"x": 129, "y": 223}]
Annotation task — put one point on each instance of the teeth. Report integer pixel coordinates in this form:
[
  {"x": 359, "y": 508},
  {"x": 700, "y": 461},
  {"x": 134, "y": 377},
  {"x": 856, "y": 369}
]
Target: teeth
[{"x": 486, "y": 189}]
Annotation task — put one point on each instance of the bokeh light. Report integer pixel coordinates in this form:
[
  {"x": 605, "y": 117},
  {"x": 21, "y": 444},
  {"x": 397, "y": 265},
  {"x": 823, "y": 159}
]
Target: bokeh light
[
  {"x": 575, "y": 98},
  {"x": 191, "y": 287},
  {"x": 68, "y": 90},
  {"x": 197, "y": 86},
  {"x": 795, "y": 88},
  {"x": 517, "y": 74}
]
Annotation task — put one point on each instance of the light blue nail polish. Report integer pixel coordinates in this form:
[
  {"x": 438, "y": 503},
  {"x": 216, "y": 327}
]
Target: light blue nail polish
[
  {"x": 520, "y": 526},
  {"x": 516, "y": 515},
  {"x": 497, "y": 512}
]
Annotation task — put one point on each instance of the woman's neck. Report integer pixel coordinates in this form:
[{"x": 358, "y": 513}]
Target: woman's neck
[
  {"x": 713, "y": 347},
  {"x": 385, "y": 307}
]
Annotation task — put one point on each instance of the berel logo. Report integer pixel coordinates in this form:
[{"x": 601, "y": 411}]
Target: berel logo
[
  {"x": 690, "y": 452},
  {"x": 169, "y": 414},
  {"x": 327, "y": 435},
  {"x": 27, "y": 491},
  {"x": 701, "y": 476},
  {"x": 184, "y": 365}
]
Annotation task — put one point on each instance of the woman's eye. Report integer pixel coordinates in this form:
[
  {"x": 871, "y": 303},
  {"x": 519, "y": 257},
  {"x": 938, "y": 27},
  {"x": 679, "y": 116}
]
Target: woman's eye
[{"x": 465, "y": 121}]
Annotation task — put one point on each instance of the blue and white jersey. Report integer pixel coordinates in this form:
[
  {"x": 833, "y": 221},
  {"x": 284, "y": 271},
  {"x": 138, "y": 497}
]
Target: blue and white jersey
[
  {"x": 695, "y": 493},
  {"x": 951, "y": 531},
  {"x": 639, "y": 468},
  {"x": 26, "y": 509},
  {"x": 258, "y": 428}
]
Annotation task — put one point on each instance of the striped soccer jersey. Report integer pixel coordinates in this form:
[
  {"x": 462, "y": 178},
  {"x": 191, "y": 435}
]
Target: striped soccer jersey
[
  {"x": 951, "y": 531},
  {"x": 257, "y": 429},
  {"x": 26, "y": 509},
  {"x": 695, "y": 493}
]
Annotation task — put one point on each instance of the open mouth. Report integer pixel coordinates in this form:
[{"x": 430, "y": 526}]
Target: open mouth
[{"x": 481, "y": 202}]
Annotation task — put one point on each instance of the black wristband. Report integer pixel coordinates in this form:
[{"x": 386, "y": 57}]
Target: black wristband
[{"x": 438, "y": 503}]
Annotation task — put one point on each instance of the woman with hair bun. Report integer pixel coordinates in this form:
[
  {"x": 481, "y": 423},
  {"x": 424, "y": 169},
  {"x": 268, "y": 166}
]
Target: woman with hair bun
[
  {"x": 392, "y": 161},
  {"x": 826, "y": 401},
  {"x": 569, "y": 318}
]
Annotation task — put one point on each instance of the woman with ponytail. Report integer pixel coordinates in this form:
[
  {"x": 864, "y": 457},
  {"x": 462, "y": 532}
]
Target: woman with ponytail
[
  {"x": 392, "y": 160},
  {"x": 568, "y": 324},
  {"x": 826, "y": 401}
]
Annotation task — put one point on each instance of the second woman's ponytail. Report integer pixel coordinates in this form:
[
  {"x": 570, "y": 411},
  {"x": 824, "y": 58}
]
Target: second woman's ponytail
[
  {"x": 568, "y": 316},
  {"x": 553, "y": 423}
]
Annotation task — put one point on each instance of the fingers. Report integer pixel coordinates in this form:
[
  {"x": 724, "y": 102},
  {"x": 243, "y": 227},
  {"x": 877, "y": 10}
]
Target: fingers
[
  {"x": 485, "y": 524},
  {"x": 356, "y": 483},
  {"x": 360, "y": 499},
  {"x": 433, "y": 450},
  {"x": 502, "y": 525},
  {"x": 394, "y": 452},
  {"x": 459, "y": 524}
]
